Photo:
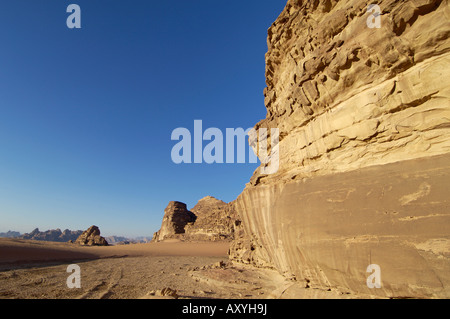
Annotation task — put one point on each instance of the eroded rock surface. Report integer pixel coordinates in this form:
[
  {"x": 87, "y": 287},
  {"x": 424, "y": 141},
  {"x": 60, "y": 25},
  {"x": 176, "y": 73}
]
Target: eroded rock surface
[
  {"x": 364, "y": 118},
  {"x": 176, "y": 217},
  {"x": 91, "y": 237},
  {"x": 210, "y": 220},
  {"x": 215, "y": 220}
]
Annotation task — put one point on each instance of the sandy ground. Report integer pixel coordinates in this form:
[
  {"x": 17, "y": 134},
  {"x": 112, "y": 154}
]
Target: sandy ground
[{"x": 32, "y": 269}]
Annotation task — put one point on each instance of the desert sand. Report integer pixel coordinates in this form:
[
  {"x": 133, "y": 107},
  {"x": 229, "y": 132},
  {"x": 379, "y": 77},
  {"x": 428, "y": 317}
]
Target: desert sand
[{"x": 33, "y": 269}]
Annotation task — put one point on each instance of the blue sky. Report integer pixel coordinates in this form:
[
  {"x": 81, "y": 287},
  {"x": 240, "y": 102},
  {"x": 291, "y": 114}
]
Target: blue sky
[{"x": 86, "y": 115}]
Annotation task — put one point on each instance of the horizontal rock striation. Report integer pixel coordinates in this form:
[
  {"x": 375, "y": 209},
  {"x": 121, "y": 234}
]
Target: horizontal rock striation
[{"x": 364, "y": 151}]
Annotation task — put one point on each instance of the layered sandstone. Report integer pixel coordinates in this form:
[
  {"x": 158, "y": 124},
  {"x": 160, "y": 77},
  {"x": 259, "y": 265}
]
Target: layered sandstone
[{"x": 364, "y": 151}]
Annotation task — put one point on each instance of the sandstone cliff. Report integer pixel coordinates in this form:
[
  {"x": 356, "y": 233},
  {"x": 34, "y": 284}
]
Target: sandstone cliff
[
  {"x": 364, "y": 151},
  {"x": 176, "y": 217},
  {"x": 215, "y": 220},
  {"x": 210, "y": 220}
]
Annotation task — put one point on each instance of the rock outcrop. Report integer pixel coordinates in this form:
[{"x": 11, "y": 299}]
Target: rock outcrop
[
  {"x": 53, "y": 235},
  {"x": 215, "y": 220},
  {"x": 176, "y": 217},
  {"x": 210, "y": 220},
  {"x": 91, "y": 237},
  {"x": 364, "y": 149}
]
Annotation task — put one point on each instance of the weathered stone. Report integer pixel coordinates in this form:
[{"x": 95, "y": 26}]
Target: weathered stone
[
  {"x": 364, "y": 159},
  {"x": 176, "y": 217},
  {"x": 210, "y": 220},
  {"x": 167, "y": 292},
  {"x": 91, "y": 237},
  {"x": 215, "y": 220}
]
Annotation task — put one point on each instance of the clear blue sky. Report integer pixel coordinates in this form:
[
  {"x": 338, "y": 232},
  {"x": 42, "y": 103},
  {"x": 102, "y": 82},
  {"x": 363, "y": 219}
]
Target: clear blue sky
[{"x": 86, "y": 115}]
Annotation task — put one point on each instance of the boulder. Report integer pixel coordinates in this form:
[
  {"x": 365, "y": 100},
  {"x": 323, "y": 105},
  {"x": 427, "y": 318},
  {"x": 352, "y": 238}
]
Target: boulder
[{"x": 91, "y": 237}]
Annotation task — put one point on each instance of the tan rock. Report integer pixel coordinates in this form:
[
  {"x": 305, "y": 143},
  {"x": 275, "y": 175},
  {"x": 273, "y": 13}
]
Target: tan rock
[
  {"x": 91, "y": 237},
  {"x": 364, "y": 119},
  {"x": 165, "y": 293},
  {"x": 176, "y": 217},
  {"x": 210, "y": 220},
  {"x": 215, "y": 220}
]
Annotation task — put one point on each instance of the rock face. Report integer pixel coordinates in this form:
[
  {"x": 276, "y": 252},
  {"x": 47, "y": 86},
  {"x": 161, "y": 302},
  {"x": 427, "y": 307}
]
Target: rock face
[
  {"x": 364, "y": 151},
  {"x": 176, "y": 217},
  {"x": 215, "y": 220},
  {"x": 52, "y": 235},
  {"x": 91, "y": 237},
  {"x": 210, "y": 220}
]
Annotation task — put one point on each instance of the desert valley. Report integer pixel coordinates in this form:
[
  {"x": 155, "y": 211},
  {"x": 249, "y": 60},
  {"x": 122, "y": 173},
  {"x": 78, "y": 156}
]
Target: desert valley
[{"x": 359, "y": 205}]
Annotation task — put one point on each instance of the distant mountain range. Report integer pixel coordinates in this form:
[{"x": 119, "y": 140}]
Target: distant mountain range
[
  {"x": 69, "y": 235},
  {"x": 10, "y": 234},
  {"x": 53, "y": 235},
  {"x": 118, "y": 240}
]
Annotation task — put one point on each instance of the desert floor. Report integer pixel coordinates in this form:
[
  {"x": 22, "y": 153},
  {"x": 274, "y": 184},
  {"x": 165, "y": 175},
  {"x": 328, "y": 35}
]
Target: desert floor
[{"x": 32, "y": 269}]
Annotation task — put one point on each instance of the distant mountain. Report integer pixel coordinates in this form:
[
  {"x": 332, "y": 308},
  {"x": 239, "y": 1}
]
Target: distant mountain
[
  {"x": 113, "y": 240},
  {"x": 142, "y": 239},
  {"x": 70, "y": 235},
  {"x": 53, "y": 235},
  {"x": 119, "y": 240},
  {"x": 10, "y": 234}
]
